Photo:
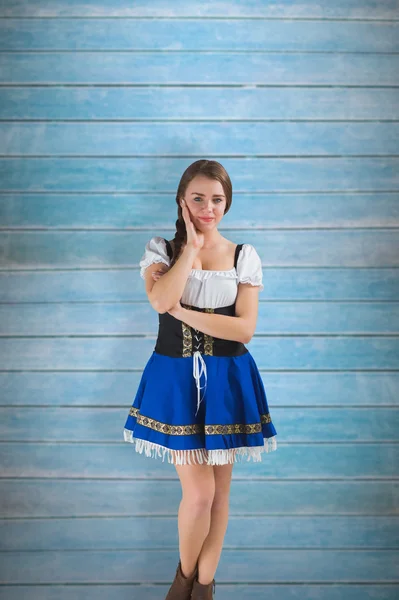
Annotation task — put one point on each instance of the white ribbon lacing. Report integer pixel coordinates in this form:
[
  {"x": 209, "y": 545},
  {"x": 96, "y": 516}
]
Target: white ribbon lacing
[{"x": 197, "y": 358}]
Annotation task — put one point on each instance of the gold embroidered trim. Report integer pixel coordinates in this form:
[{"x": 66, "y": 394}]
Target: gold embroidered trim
[
  {"x": 208, "y": 339},
  {"x": 187, "y": 340},
  {"x": 196, "y": 428}
]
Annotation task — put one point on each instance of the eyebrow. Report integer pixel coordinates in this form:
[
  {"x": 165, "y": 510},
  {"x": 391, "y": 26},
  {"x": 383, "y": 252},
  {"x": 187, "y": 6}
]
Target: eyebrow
[{"x": 198, "y": 194}]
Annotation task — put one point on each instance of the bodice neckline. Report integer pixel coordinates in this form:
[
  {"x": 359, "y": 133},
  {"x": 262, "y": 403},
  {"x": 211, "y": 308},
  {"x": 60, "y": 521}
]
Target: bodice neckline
[{"x": 213, "y": 270}]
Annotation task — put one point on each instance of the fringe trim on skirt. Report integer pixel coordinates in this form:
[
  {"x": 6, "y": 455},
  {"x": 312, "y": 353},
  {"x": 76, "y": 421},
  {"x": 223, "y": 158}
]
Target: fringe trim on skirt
[{"x": 201, "y": 455}]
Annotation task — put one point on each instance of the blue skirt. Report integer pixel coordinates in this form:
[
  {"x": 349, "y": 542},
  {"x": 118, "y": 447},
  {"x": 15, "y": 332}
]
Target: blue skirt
[{"x": 231, "y": 422}]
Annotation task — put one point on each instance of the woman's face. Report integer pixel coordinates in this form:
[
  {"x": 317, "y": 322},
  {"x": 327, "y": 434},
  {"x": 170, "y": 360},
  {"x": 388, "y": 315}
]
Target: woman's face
[{"x": 205, "y": 199}]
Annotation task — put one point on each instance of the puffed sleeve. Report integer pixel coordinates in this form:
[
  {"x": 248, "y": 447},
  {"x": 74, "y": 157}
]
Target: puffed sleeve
[
  {"x": 249, "y": 266},
  {"x": 155, "y": 252}
]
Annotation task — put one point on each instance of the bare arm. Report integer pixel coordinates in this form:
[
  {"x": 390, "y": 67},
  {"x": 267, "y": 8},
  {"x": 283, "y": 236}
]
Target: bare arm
[
  {"x": 219, "y": 326},
  {"x": 239, "y": 328},
  {"x": 167, "y": 291}
]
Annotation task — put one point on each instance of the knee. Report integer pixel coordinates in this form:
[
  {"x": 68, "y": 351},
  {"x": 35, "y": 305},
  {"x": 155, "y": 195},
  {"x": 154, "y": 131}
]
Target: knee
[{"x": 200, "y": 500}]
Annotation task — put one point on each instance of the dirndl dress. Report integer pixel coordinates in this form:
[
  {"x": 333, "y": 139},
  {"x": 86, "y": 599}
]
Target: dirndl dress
[{"x": 201, "y": 399}]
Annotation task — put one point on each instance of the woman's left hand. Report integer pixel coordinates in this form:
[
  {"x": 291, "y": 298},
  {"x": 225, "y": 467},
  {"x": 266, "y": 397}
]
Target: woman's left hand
[{"x": 158, "y": 274}]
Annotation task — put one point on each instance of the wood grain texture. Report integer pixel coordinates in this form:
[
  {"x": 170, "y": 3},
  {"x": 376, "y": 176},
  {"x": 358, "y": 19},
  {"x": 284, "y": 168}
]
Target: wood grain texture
[
  {"x": 160, "y": 533},
  {"x": 188, "y": 68},
  {"x": 103, "y": 104},
  {"x": 252, "y": 566},
  {"x": 117, "y": 460},
  {"x": 197, "y": 34},
  {"x": 324, "y": 9},
  {"x": 231, "y": 139},
  {"x": 216, "y": 103},
  {"x": 28, "y": 498}
]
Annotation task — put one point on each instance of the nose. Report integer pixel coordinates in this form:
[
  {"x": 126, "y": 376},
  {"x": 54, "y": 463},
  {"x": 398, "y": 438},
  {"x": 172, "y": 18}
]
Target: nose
[{"x": 208, "y": 207}]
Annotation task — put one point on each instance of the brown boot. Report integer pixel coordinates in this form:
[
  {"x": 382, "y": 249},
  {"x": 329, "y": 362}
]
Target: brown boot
[
  {"x": 203, "y": 591},
  {"x": 181, "y": 586}
]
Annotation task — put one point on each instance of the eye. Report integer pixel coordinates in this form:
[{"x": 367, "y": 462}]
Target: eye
[{"x": 216, "y": 199}]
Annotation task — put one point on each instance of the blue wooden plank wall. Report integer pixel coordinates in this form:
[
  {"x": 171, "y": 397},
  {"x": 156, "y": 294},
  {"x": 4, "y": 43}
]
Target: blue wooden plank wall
[{"x": 103, "y": 104}]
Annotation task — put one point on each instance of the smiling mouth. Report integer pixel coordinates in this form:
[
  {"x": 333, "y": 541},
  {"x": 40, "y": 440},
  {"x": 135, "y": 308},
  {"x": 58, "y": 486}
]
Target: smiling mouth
[{"x": 206, "y": 218}]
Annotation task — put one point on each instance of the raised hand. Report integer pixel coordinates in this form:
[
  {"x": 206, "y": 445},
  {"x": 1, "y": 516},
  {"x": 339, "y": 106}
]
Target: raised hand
[{"x": 194, "y": 237}]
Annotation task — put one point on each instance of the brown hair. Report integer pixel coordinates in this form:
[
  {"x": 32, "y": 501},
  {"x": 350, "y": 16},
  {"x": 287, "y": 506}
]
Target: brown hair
[{"x": 208, "y": 168}]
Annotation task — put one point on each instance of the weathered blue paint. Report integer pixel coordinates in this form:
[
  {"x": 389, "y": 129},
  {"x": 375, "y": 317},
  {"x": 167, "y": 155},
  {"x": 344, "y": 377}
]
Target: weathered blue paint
[
  {"x": 168, "y": 139},
  {"x": 154, "y": 103},
  {"x": 103, "y": 104},
  {"x": 197, "y": 34},
  {"x": 343, "y": 9},
  {"x": 209, "y": 68}
]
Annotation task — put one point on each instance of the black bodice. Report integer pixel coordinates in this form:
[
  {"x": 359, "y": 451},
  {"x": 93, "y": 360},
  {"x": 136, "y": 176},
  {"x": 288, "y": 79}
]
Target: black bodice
[{"x": 177, "y": 339}]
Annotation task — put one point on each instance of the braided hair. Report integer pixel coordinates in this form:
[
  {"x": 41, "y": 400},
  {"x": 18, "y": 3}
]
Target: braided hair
[{"x": 208, "y": 168}]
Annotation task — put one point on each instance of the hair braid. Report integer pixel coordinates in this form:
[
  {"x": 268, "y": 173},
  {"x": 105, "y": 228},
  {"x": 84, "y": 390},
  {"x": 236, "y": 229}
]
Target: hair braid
[{"x": 180, "y": 236}]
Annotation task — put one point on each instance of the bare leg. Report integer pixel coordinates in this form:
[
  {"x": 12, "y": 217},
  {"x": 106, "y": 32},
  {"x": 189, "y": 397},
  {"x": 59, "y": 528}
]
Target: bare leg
[
  {"x": 194, "y": 515},
  {"x": 212, "y": 548}
]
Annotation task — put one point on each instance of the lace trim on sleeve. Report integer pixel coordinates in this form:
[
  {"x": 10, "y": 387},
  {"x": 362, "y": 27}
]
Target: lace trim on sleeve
[
  {"x": 155, "y": 252},
  {"x": 249, "y": 267}
]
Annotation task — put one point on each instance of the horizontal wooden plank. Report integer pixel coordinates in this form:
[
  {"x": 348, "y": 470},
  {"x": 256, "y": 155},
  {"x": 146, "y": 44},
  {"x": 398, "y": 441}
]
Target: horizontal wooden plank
[
  {"x": 212, "y": 68},
  {"x": 308, "y": 353},
  {"x": 290, "y": 389},
  {"x": 31, "y": 498},
  {"x": 347, "y": 9},
  {"x": 252, "y": 566},
  {"x": 126, "y": 285},
  {"x": 198, "y": 103},
  {"x": 198, "y": 34},
  {"x": 283, "y": 248},
  {"x": 349, "y": 532},
  {"x": 228, "y": 139},
  {"x": 116, "y": 461},
  {"x": 128, "y": 591},
  {"x": 72, "y": 424},
  {"x": 274, "y": 318},
  {"x": 117, "y": 211},
  {"x": 103, "y": 175}
]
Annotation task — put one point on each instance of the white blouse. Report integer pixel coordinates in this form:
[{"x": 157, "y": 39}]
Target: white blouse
[{"x": 205, "y": 288}]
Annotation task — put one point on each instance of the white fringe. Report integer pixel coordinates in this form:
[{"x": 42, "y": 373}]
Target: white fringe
[{"x": 201, "y": 455}]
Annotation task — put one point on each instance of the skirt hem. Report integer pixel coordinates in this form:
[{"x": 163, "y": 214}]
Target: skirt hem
[{"x": 200, "y": 455}]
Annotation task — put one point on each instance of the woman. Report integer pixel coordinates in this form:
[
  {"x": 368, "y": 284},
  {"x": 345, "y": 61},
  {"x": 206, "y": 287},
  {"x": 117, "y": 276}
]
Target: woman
[{"x": 201, "y": 399}]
